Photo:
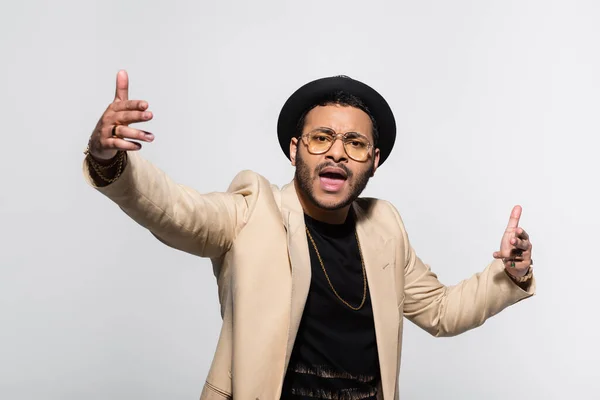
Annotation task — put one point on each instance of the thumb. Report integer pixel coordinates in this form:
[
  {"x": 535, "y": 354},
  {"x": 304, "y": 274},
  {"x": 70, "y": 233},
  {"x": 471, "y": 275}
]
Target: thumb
[
  {"x": 122, "y": 89},
  {"x": 515, "y": 215}
]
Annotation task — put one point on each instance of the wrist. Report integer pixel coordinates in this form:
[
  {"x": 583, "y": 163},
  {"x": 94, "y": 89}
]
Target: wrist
[
  {"x": 520, "y": 278},
  {"x": 106, "y": 171},
  {"x": 102, "y": 161}
]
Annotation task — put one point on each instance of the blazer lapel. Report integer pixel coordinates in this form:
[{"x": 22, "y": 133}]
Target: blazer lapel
[
  {"x": 293, "y": 217},
  {"x": 378, "y": 253}
]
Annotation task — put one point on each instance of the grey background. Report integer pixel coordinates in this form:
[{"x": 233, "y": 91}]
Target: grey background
[{"x": 497, "y": 104}]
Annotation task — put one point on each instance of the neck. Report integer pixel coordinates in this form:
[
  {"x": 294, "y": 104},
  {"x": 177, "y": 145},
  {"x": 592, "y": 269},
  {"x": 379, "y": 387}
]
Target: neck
[{"x": 320, "y": 214}]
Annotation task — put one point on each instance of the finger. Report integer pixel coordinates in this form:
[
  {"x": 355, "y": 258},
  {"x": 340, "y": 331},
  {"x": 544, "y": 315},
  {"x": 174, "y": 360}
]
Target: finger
[
  {"x": 121, "y": 144},
  {"x": 131, "y": 133},
  {"x": 520, "y": 244},
  {"x": 515, "y": 215},
  {"x": 130, "y": 105},
  {"x": 522, "y": 234},
  {"x": 516, "y": 255},
  {"x": 130, "y": 117},
  {"x": 122, "y": 89}
]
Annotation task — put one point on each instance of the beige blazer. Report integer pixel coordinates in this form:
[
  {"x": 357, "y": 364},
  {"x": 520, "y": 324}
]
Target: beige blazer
[{"x": 254, "y": 234}]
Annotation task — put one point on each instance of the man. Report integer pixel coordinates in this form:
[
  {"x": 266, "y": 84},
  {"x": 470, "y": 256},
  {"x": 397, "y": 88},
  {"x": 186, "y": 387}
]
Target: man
[{"x": 314, "y": 282}]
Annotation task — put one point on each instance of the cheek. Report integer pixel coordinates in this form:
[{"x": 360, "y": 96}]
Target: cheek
[
  {"x": 361, "y": 173},
  {"x": 306, "y": 163}
]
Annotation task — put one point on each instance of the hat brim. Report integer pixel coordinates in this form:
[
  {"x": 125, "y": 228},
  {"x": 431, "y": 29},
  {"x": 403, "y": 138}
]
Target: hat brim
[{"x": 314, "y": 92}]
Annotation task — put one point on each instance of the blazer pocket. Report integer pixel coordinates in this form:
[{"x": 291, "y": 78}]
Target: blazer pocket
[{"x": 211, "y": 392}]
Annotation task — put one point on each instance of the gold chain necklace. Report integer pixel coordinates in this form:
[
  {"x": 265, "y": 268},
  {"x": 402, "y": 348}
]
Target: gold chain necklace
[{"x": 327, "y": 276}]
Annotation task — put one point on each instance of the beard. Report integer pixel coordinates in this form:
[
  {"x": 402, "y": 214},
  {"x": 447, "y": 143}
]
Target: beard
[{"x": 305, "y": 177}]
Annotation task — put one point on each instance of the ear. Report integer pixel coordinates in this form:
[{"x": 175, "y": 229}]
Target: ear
[
  {"x": 293, "y": 150},
  {"x": 376, "y": 161}
]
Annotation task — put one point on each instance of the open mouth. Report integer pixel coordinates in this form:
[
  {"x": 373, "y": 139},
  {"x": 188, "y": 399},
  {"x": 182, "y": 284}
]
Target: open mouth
[
  {"x": 332, "y": 175},
  {"x": 332, "y": 179}
]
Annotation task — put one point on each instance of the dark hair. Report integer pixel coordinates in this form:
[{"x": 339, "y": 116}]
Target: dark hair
[{"x": 344, "y": 99}]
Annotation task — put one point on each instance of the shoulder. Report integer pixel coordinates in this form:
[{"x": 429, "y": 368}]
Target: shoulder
[
  {"x": 373, "y": 207},
  {"x": 256, "y": 189},
  {"x": 379, "y": 210},
  {"x": 248, "y": 182}
]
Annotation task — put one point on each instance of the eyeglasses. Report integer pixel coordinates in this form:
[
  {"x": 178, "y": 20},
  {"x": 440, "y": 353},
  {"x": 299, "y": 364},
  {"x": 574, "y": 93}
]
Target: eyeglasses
[{"x": 320, "y": 140}]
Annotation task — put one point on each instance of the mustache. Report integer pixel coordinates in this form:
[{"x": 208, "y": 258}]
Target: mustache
[{"x": 326, "y": 164}]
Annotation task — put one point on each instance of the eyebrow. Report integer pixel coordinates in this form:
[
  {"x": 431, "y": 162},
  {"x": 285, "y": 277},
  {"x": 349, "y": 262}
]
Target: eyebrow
[{"x": 326, "y": 128}]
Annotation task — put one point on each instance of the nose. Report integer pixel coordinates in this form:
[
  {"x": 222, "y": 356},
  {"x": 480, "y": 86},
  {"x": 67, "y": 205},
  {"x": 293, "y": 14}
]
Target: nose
[{"x": 336, "y": 152}]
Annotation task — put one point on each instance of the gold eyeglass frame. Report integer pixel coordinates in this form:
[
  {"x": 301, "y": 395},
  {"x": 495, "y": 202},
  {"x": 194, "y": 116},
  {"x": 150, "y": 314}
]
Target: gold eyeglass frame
[{"x": 343, "y": 136}]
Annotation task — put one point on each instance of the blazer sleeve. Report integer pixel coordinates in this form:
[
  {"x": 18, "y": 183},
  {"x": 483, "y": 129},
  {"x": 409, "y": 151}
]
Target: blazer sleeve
[
  {"x": 451, "y": 310},
  {"x": 201, "y": 224}
]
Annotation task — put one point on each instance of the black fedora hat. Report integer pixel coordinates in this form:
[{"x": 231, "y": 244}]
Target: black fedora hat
[{"x": 316, "y": 91}]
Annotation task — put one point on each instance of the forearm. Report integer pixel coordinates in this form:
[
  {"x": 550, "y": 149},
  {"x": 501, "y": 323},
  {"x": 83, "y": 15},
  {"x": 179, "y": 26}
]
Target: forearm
[
  {"x": 451, "y": 310},
  {"x": 200, "y": 224}
]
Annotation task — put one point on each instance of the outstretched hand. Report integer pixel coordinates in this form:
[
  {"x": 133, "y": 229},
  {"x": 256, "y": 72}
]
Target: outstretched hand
[
  {"x": 515, "y": 246},
  {"x": 113, "y": 129}
]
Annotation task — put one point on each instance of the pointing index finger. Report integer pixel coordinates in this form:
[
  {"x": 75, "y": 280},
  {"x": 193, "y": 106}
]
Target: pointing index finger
[
  {"x": 122, "y": 89},
  {"x": 515, "y": 215}
]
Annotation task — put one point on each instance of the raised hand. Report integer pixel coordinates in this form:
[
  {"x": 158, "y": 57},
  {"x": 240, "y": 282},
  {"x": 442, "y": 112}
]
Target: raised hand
[
  {"x": 113, "y": 129},
  {"x": 515, "y": 246}
]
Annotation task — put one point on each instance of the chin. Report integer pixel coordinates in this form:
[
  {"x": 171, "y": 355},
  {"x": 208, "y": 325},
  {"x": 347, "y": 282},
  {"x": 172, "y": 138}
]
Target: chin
[{"x": 332, "y": 202}]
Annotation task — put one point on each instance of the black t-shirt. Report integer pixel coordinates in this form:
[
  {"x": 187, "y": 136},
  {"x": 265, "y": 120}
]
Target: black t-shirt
[{"x": 335, "y": 353}]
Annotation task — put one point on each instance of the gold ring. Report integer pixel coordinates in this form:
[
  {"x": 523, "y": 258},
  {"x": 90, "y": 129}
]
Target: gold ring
[{"x": 114, "y": 131}]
